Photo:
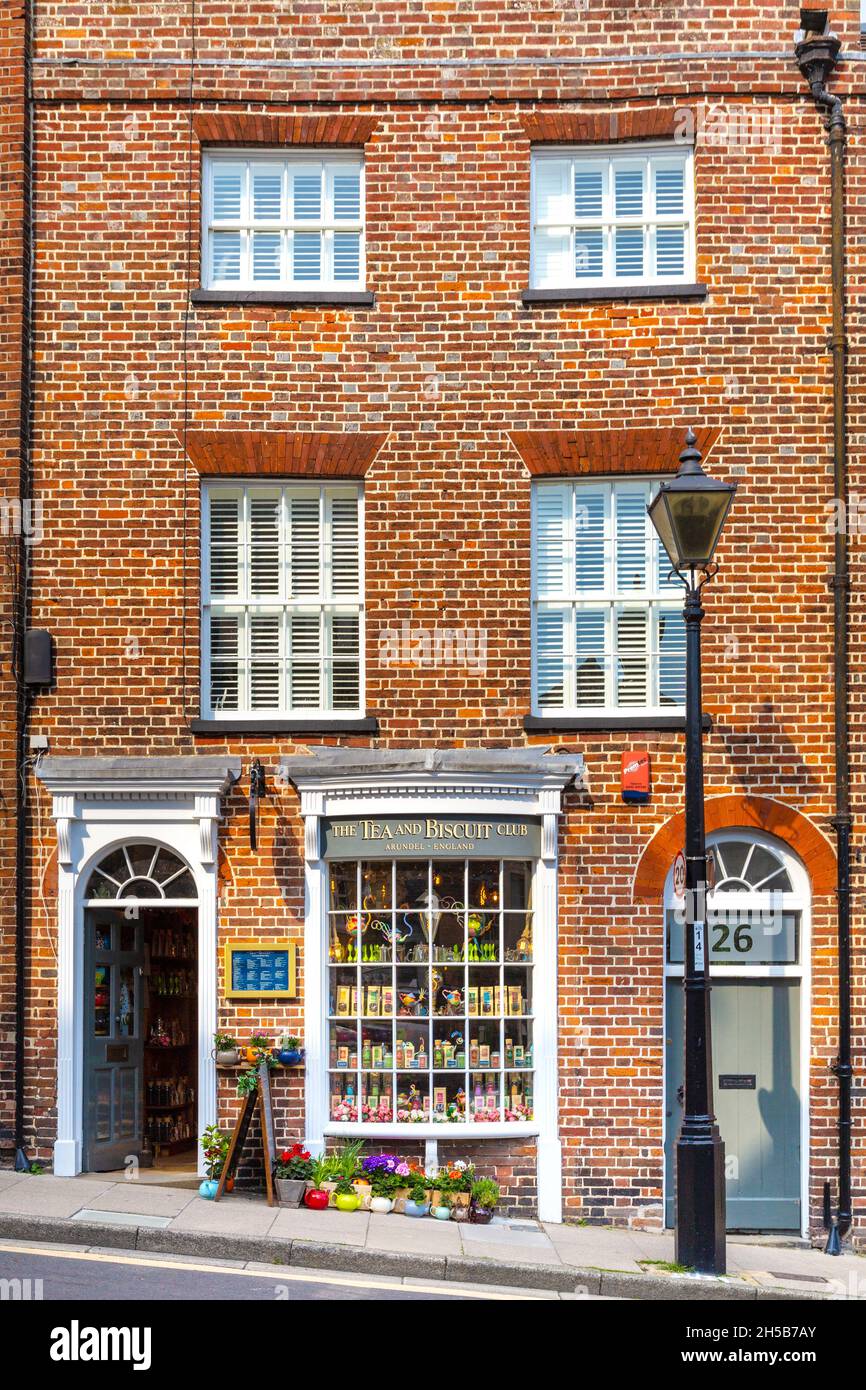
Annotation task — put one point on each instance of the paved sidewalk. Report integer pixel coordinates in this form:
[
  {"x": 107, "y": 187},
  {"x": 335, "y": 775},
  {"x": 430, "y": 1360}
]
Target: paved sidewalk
[{"x": 105, "y": 1213}]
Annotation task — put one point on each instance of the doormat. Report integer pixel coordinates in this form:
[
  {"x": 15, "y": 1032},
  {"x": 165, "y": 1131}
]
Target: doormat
[{"x": 122, "y": 1218}]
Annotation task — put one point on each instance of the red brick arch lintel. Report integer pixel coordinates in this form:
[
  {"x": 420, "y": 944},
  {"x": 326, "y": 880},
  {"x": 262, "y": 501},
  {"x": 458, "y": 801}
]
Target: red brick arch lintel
[{"x": 734, "y": 812}]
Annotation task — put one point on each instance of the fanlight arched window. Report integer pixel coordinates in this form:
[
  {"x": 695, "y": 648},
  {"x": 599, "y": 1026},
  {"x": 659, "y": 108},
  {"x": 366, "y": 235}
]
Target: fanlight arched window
[
  {"x": 743, "y": 866},
  {"x": 143, "y": 872}
]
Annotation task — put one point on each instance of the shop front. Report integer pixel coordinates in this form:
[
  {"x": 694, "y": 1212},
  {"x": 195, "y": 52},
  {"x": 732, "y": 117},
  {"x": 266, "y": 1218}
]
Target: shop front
[{"x": 431, "y": 948}]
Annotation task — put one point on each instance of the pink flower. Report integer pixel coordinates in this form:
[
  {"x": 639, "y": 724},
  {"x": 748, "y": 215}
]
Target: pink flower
[{"x": 403, "y": 1169}]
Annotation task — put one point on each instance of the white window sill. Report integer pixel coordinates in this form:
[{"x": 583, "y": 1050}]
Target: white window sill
[{"x": 502, "y": 1130}]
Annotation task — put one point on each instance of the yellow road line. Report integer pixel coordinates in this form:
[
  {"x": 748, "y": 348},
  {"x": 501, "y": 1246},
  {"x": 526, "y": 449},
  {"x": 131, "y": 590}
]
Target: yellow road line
[{"x": 282, "y": 1273}]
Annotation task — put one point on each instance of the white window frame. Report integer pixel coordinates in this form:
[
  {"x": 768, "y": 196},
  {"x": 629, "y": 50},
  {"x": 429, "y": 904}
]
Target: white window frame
[
  {"x": 330, "y": 160},
  {"x": 652, "y": 597},
  {"x": 609, "y": 156},
  {"x": 322, "y": 602}
]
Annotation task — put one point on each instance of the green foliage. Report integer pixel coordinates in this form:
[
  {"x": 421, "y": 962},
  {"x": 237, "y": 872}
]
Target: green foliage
[
  {"x": 215, "y": 1147},
  {"x": 344, "y": 1188},
  {"x": 36, "y": 1169},
  {"x": 248, "y": 1081},
  {"x": 418, "y": 1192},
  {"x": 321, "y": 1170},
  {"x": 224, "y": 1042},
  {"x": 485, "y": 1193},
  {"x": 290, "y": 1042},
  {"x": 385, "y": 1184},
  {"x": 347, "y": 1160}
]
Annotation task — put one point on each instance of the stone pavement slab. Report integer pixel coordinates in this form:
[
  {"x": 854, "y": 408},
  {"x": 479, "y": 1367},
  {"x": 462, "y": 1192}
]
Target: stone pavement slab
[
  {"x": 231, "y": 1216},
  {"x": 47, "y": 1196},
  {"x": 147, "y": 1200},
  {"x": 299, "y": 1223},
  {"x": 399, "y": 1233}
]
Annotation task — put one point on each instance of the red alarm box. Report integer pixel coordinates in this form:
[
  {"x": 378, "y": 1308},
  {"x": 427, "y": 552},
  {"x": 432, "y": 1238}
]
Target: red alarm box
[{"x": 636, "y": 775}]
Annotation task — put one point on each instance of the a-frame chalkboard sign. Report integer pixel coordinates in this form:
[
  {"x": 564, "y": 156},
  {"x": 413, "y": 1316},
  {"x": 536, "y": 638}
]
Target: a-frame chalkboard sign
[{"x": 259, "y": 1099}]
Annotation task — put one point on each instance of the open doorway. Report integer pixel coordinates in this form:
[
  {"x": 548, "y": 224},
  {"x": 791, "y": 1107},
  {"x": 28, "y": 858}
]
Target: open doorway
[{"x": 141, "y": 1014}]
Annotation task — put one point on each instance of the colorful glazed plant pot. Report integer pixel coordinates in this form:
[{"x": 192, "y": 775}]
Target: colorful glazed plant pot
[
  {"x": 442, "y": 1213},
  {"x": 480, "y": 1216},
  {"x": 228, "y": 1058},
  {"x": 347, "y": 1201},
  {"x": 316, "y": 1198},
  {"x": 382, "y": 1205},
  {"x": 460, "y": 1213},
  {"x": 290, "y": 1057},
  {"x": 208, "y": 1189},
  {"x": 416, "y": 1208}
]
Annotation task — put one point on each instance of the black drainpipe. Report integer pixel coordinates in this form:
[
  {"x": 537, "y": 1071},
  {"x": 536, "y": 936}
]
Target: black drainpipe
[
  {"x": 817, "y": 55},
  {"x": 22, "y": 596}
]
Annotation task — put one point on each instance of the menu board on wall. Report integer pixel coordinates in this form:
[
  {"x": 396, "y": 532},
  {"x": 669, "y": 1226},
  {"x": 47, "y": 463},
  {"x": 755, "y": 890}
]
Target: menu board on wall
[{"x": 260, "y": 969}]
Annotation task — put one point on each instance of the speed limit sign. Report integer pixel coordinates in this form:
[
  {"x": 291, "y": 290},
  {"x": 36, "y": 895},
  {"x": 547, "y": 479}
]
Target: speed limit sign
[{"x": 680, "y": 875}]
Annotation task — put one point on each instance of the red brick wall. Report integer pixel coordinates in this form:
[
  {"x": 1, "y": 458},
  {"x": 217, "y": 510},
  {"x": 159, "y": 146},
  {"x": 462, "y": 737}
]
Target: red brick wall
[
  {"x": 12, "y": 250},
  {"x": 447, "y": 363}
]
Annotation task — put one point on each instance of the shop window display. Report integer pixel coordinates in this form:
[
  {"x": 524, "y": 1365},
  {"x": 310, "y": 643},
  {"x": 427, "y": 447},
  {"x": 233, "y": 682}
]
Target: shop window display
[{"x": 430, "y": 991}]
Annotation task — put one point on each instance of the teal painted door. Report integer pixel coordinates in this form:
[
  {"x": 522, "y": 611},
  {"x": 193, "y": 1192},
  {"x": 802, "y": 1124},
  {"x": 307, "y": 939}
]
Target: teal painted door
[
  {"x": 756, "y": 1050},
  {"x": 113, "y": 1043}
]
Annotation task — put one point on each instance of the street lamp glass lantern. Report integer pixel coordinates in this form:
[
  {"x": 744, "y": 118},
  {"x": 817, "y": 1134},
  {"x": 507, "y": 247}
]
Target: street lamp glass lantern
[{"x": 689, "y": 512}]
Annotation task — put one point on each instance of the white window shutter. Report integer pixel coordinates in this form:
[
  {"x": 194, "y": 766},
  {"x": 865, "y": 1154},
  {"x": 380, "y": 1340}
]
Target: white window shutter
[
  {"x": 305, "y": 666},
  {"x": 552, "y": 540},
  {"x": 630, "y": 540},
  {"x": 224, "y": 555},
  {"x": 590, "y": 659},
  {"x": 225, "y": 672},
  {"x": 553, "y": 190},
  {"x": 264, "y": 661},
  {"x": 550, "y": 631},
  {"x": 632, "y": 657},
  {"x": 671, "y": 648},
  {"x": 344, "y": 632},
  {"x": 227, "y": 185},
  {"x": 305, "y": 546},
  {"x": 267, "y": 192},
  {"x": 590, "y": 507},
  {"x": 264, "y": 547},
  {"x": 345, "y": 546}
]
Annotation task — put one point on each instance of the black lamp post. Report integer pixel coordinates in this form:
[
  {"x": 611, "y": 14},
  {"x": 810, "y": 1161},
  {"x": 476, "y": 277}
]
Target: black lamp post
[{"x": 688, "y": 513}]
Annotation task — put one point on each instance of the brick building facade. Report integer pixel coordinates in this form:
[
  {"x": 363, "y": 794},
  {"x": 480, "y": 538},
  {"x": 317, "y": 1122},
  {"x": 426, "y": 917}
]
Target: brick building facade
[{"x": 450, "y": 389}]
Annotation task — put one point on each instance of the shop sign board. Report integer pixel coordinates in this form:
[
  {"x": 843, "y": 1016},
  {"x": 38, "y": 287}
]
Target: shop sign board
[{"x": 420, "y": 837}]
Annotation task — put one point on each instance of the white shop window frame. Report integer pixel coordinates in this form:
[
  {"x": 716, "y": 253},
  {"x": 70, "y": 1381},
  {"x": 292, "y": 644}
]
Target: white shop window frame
[
  {"x": 654, "y": 599},
  {"x": 304, "y": 604},
  {"x": 284, "y": 156},
  {"x": 603, "y": 155},
  {"x": 414, "y": 801}
]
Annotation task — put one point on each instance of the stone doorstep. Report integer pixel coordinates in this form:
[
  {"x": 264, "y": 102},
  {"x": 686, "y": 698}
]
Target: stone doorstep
[{"x": 320, "y": 1255}]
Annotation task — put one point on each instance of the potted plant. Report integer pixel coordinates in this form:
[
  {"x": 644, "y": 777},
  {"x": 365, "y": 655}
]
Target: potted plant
[
  {"x": 384, "y": 1185},
  {"x": 403, "y": 1174},
  {"x": 248, "y": 1081},
  {"x": 290, "y": 1052},
  {"x": 442, "y": 1210},
  {"x": 317, "y": 1195},
  {"x": 291, "y": 1174},
  {"x": 347, "y": 1168},
  {"x": 258, "y": 1049},
  {"x": 215, "y": 1147},
  {"x": 345, "y": 1196},
  {"x": 417, "y": 1203},
  {"x": 226, "y": 1050},
  {"x": 485, "y": 1195}
]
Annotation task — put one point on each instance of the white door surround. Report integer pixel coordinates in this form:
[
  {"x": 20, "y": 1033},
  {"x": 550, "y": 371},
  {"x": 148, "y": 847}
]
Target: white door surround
[
  {"x": 526, "y": 782},
  {"x": 99, "y": 803}
]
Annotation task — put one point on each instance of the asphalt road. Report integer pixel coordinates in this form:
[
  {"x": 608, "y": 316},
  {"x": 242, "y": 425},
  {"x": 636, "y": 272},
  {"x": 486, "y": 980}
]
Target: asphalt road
[{"x": 69, "y": 1276}]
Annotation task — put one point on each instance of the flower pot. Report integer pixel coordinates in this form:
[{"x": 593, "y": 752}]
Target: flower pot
[
  {"x": 442, "y": 1212},
  {"x": 382, "y": 1205},
  {"x": 460, "y": 1212},
  {"x": 230, "y": 1185},
  {"x": 316, "y": 1199},
  {"x": 481, "y": 1216},
  {"x": 208, "y": 1189},
  {"x": 250, "y": 1054},
  {"x": 290, "y": 1056},
  {"x": 400, "y": 1197},
  {"x": 229, "y": 1057},
  {"x": 347, "y": 1201},
  {"x": 416, "y": 1208},
  {"x": 290, "y": 1191}
]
